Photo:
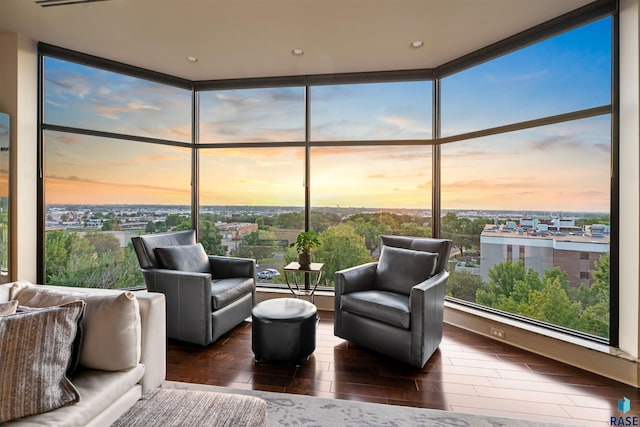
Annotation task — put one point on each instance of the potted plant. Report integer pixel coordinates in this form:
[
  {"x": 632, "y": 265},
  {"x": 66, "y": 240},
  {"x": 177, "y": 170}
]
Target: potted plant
[{"x": 305, "y": 242}]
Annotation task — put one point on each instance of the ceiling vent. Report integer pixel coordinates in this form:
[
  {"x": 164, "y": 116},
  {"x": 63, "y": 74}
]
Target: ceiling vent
[{"x": 51, "y": 3}]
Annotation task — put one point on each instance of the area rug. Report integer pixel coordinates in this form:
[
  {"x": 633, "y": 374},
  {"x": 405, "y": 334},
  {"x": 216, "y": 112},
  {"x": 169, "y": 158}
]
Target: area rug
[
  {"x": 168, "y": 407},
  {"x": 292, "y": 410}
]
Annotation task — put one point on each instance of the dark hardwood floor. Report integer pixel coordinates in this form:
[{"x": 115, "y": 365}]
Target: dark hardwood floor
[{"x": 469, "y": 373}]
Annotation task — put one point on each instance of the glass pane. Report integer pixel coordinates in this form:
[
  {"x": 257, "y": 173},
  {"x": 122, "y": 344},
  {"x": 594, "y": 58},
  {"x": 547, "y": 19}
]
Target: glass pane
[
  {"x": 565, "y": 73},
  {"x": 252, "y": 115},
  {"x": 358, "y": 193},
  {"x": 529, "y": 214},
  {"x": 4, "y": 197},
  {"x": 372, "y": 111},
  {"x": 252, "y": 205},
  {"x": 100, "y": 192},
  {"x": 90, "y": 98}
]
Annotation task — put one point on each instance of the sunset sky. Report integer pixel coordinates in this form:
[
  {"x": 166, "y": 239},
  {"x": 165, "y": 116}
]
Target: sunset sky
[{"x": 563, "y": 167}]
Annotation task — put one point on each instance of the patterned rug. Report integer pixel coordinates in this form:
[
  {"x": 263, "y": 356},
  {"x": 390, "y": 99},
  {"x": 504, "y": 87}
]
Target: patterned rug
[
  {"x": 168, "y": 407},
  {"x": 306, "y": 411}
]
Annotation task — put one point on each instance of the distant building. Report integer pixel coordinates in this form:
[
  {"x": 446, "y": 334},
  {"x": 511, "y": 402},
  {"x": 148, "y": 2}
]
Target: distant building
[
  {"x": 543, "y": 246},
  {"x": 236, "y": 230}
]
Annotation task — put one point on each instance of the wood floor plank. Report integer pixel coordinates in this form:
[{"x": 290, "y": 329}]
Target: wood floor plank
[{"x": 468, "y": 373}]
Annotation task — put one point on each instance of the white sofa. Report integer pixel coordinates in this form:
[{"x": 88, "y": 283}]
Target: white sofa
[{"x": 107, "y": 394}]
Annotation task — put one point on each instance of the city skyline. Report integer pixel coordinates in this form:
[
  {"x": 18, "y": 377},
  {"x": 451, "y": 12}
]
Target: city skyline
[{"x": 562, "y": 167}]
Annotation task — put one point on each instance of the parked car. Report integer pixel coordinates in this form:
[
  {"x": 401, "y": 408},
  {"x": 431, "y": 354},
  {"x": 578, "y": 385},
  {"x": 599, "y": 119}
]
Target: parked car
[{"x": 268, "y": 273}]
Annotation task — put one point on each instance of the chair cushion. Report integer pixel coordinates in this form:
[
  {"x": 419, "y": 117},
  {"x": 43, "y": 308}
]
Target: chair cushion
[
  {"x": 192, "y": 258},
  {"x": 388, "y": 307},
  {"x": 401, "y": 269},
  {"x": 145, "y": 245},
  {"x": 226, "y": 291}
]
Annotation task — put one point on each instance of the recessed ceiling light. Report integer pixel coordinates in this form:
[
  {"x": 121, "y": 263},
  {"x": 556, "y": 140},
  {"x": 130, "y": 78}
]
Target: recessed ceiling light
[
  {"x": 417, "y": 43},
  {"x": 297, "y": 51},
  {"x": 192, "y": 59}
]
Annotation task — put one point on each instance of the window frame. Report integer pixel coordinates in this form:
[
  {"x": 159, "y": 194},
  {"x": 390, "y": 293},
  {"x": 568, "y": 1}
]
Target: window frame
[{"x": 593, "y": 11}]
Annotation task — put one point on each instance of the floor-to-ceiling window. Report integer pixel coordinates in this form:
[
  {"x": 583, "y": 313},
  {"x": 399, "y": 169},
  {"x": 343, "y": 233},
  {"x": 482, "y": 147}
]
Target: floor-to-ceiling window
[
  {"x": 251, "y": 173},
  {"x": 528, "y": 205},
  {"x": 522, "y": 165},
  {"x": 364, "y": 177},
  {"x": 370, "y": 167},
  {"x": 116, "y": 162}
]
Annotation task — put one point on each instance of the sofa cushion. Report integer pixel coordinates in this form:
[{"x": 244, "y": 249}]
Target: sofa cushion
[
  {"x": 226, "y": 291},
  {"x": 192, "y": 258},
  {"x": 388, "y": 307},
  {"x": 9, "y": 307},
  {"x": 111, "y": 325},
  {"x": 36, "y": 347},
  {"x": 401, "y": 269},
  {"x": 101, "y": 393}
]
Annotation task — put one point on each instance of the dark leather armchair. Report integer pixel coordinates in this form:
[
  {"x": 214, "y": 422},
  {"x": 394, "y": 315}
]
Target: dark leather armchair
[
  {"x": 206, "y": 295},
  {"x": 395, "y": 306}
]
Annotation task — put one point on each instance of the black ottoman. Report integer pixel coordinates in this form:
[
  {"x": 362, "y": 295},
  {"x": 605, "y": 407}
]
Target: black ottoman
[{"x": 283, "y": 329}]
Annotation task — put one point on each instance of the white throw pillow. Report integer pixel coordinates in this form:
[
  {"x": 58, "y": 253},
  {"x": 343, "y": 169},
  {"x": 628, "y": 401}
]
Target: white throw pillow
[{"x": 111, "y": 325}]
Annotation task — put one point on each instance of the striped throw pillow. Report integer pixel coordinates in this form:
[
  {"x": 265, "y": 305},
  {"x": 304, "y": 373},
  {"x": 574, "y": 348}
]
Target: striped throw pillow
[{"x": 35, "y": 350}]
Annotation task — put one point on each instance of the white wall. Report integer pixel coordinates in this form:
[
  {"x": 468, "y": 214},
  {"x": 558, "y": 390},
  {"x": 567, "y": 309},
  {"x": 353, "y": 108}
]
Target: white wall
[
  {"x": 19, "y": 98},
  {"x": 629, "y": 177}
]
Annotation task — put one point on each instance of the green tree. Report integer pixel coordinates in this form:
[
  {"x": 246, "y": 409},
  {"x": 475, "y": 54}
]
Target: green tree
[
  {"x": 172, "y": 220},
  {"x": 103, "y": 242},
  {"x": 150, "y": 227},
  {"x": 464, "y": 232},
  {"x": 112, "y": 270},
  {"x": 595, "y": 318},
  {"x": 370, "y": 230},
  {"x": 340, "y": 247},
  {"x": 549, "y": 299},
  {"x": 208, "y": 234},
  {"x": 257, "y": 244},
  {"x": 552, "y": 305},
  {"x": 290, "y": 220},
  {"x": 56, "y": 252},
  {"x": 413, "y": 229},
  {"x": 211, "y": 238},
  {"x": 503, "y": 276},
  {"x": 111, "y": 225},
  {"x": 95, "y": 261},
  {"x": 601, "y": 219},
  {"x": 463, "y": 285},
  {"x": 321, "y": 221}
]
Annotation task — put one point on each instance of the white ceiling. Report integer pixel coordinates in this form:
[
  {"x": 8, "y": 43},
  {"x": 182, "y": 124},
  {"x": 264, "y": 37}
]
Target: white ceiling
[{"x": 254, "y": 38}]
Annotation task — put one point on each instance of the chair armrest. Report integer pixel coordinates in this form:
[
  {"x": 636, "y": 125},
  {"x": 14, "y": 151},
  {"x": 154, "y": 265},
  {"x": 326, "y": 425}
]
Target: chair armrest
[
  {"x": 436, "y": 280},
  {"x": 354, "y": 279},
  {"x": 225, "y": 267},
  {"x": 189, "y": 306},
  {"x": 426, "y": 303}
]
